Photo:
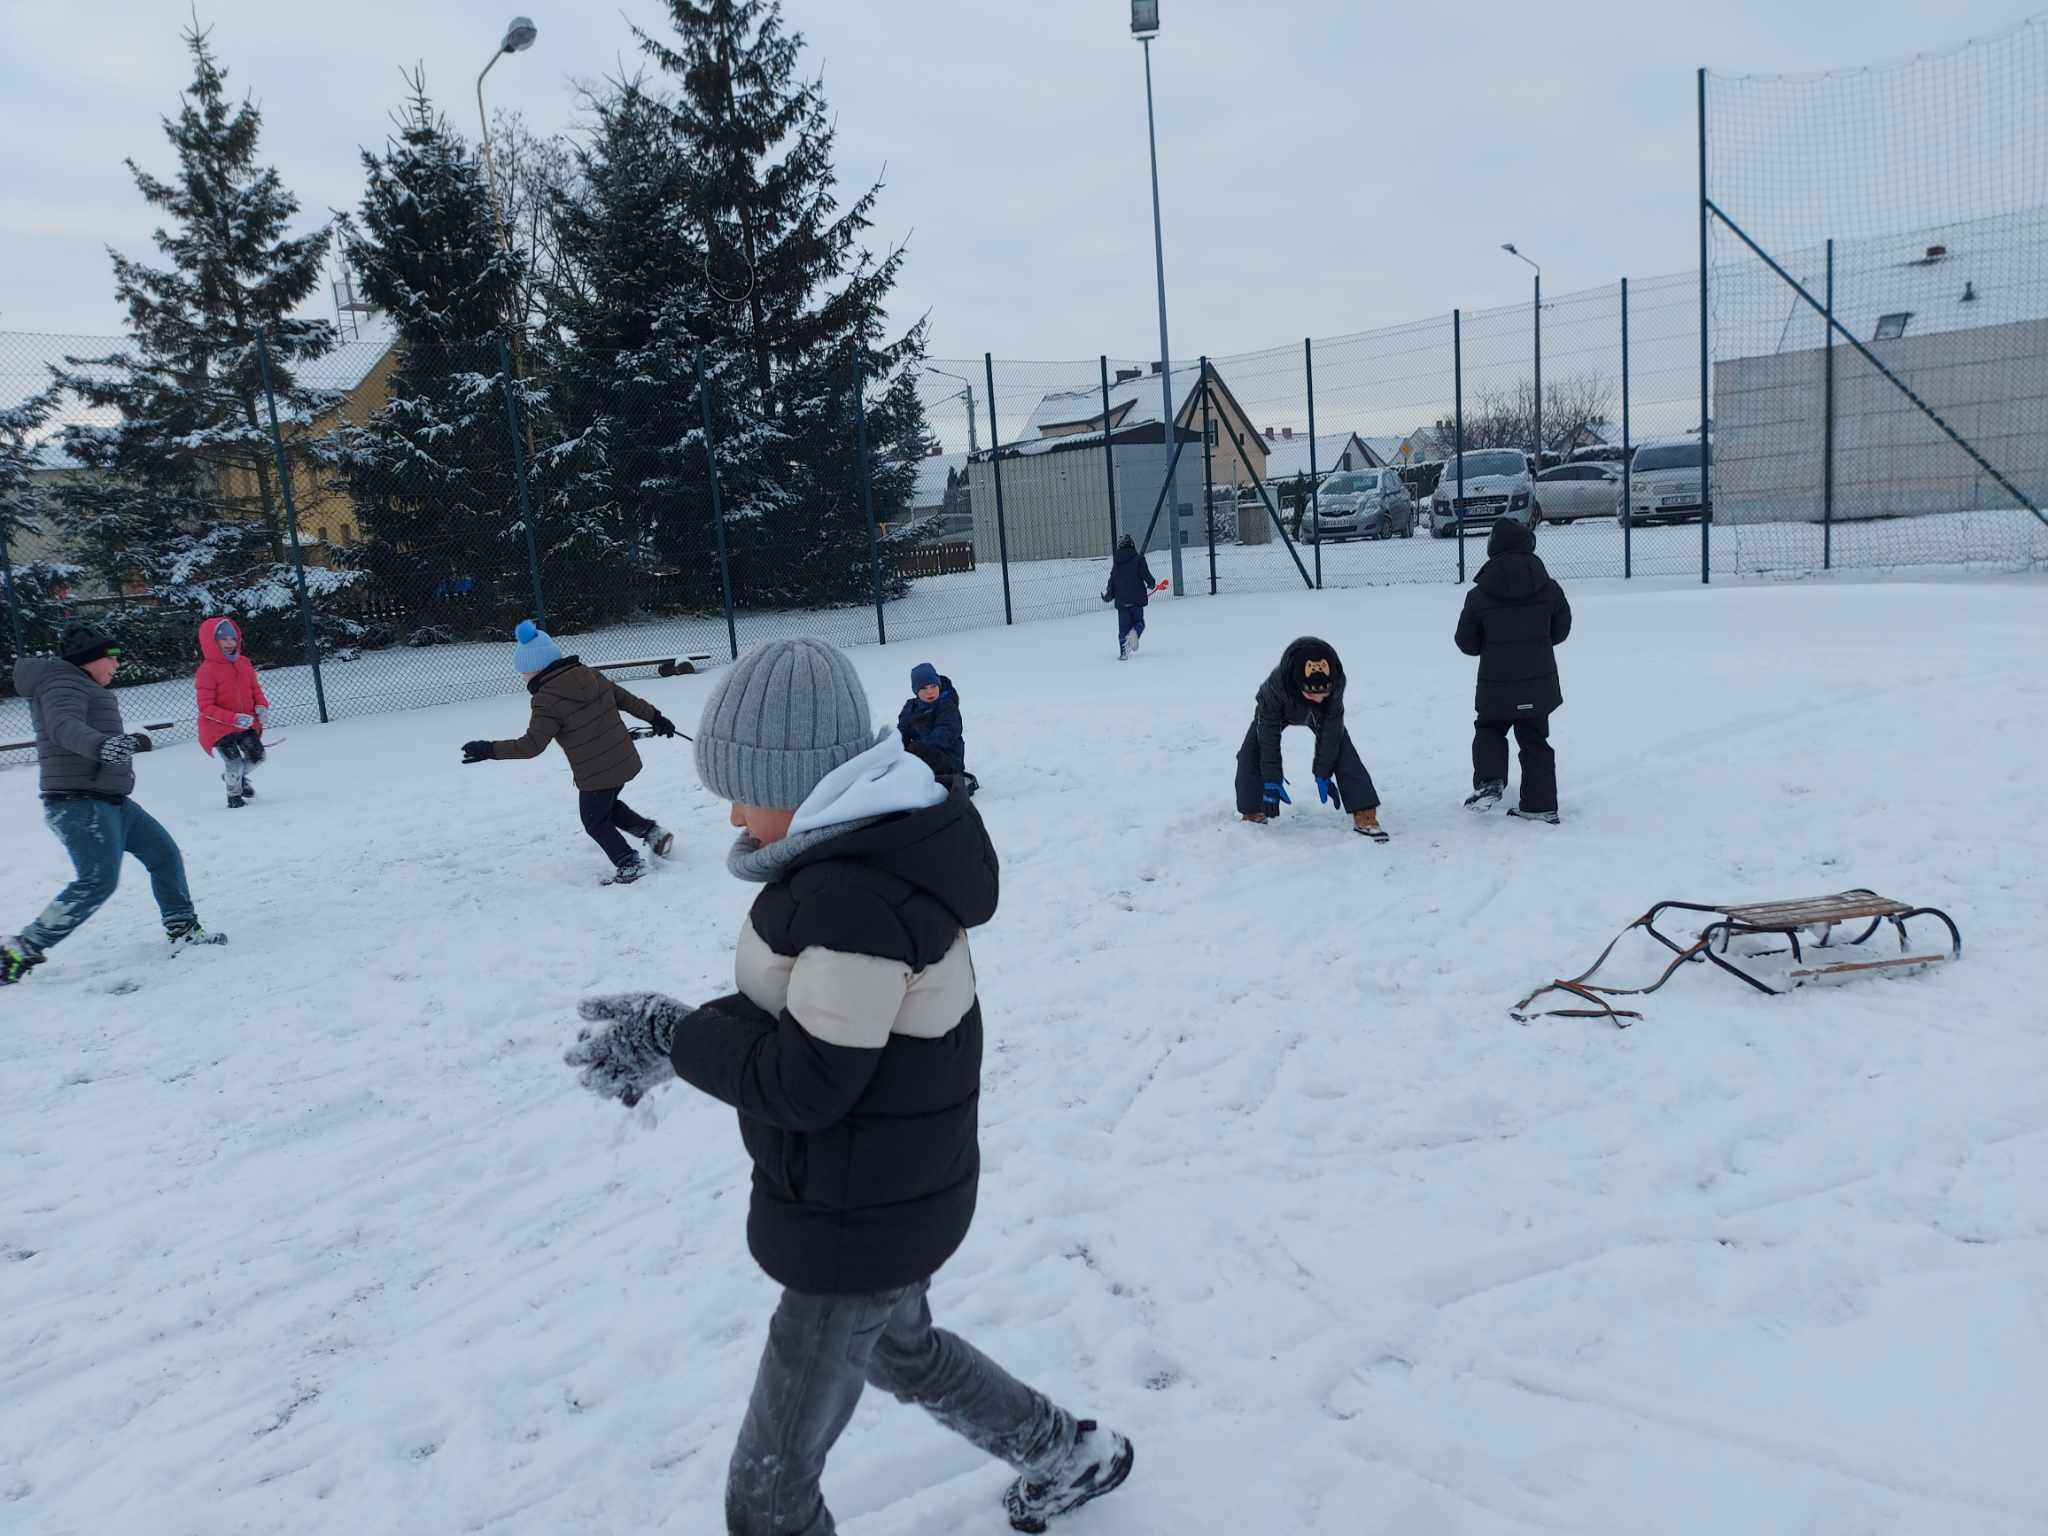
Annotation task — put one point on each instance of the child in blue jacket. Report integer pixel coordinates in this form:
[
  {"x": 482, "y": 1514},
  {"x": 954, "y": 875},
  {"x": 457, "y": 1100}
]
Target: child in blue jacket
[{"x": 929, "y": 723}]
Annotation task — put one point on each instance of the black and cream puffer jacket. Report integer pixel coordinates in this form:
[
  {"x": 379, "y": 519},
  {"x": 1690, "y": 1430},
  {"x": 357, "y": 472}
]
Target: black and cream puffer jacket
[{"x": 852, "y": 1051}]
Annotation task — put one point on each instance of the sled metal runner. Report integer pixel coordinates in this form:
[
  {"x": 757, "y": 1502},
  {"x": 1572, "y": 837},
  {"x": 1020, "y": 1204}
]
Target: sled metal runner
[{"x": 1816, "y": 916}]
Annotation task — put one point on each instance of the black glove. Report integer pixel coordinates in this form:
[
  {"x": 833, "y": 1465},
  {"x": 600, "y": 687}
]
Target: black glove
[
  {"x": 476, "y": 751},
  {"x": 116, "y": 750},
  {"x": 140, "y": 741},
  {"x": 631, "y": 1055},
  {"x": 663, "y": 726}
]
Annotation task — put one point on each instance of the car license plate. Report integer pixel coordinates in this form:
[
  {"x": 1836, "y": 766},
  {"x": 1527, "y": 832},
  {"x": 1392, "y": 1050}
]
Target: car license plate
[{"x": 1682, "y": 500}]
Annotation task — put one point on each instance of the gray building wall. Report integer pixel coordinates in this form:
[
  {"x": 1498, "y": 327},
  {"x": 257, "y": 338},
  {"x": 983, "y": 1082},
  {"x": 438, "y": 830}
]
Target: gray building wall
[
  {"x": 1990, "y": 384},
  {"x": 1056, "y": 505}
]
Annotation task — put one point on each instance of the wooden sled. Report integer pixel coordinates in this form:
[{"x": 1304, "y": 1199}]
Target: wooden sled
[{"x": 1817, "y": 916}]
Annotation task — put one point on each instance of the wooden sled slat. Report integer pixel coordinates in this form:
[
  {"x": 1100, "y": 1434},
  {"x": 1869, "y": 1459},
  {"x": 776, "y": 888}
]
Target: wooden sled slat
[{"x": 1849, "y": 967}]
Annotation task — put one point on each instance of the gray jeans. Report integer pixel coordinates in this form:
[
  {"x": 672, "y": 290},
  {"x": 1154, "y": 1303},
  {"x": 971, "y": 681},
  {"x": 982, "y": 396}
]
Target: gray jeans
[{"x": 822, "y": 1352}]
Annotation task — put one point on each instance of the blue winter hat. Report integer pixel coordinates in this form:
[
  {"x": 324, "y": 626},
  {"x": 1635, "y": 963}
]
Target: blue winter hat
[
  {"x": 537, "y": 649},
  {"x": 923, "y": 675}
]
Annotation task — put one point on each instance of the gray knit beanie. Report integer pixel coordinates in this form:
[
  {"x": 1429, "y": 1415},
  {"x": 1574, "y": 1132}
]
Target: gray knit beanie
[{"x": 782, "y": 717}]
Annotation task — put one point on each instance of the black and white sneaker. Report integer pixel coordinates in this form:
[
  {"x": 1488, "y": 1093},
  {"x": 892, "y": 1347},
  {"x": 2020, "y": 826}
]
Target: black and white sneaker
[
  {"x": 190, "y": 935},
  {"x": 1098, "y": 1464},
  {"x": 626, "y": 874},
  {"x": 1521, "y": 815},
  {"x": 659, "y": 841},
  {"x": 1485, "y": 797}
]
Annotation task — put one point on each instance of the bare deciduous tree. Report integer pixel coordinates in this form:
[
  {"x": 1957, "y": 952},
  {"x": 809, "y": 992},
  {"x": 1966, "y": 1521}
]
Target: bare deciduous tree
[{"x": 1575, "y": 413}]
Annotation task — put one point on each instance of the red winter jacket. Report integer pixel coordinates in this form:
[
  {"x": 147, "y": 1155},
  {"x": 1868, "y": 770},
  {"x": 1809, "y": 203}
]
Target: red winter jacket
[{"x": 226, "y": 688}]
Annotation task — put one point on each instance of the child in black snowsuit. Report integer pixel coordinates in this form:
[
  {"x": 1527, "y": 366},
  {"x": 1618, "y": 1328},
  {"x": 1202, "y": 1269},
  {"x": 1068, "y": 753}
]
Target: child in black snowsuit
[
  {"x": 1130, "y": 587},
  {"x": 1307, "y": 688},
  {"x": 1514, "y": 619}
]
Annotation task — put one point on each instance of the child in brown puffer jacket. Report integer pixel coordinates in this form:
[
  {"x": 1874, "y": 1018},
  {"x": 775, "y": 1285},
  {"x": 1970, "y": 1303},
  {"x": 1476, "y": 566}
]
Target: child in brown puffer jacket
[{"x": 579, "y": 708}]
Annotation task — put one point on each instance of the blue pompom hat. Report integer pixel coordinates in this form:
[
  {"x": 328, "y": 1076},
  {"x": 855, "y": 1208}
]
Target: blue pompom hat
[
  {"x": 924, "y": 675},
  {"x": 537, "y": 649}
]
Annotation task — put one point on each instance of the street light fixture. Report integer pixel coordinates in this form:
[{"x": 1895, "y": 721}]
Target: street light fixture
[
  {"x": 1510, "y": 249},
  {"x": 1144, "y": 27},
  {"x": 973, "y": 442},
  {"x": 519, "y": 36}
]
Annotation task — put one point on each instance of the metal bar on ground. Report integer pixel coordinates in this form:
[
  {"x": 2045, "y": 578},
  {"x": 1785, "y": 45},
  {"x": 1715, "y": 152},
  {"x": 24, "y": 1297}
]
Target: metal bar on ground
[
  {"x": 867, "y": 496},
  {"x": 1272, "y": 509},
  {"x": 995, "y": 464},
  {"x": 732, "y": 633},
  {"x": 291, "y": 519}
]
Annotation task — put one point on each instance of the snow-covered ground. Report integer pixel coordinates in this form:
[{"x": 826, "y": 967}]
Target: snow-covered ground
[{"x": 315, "y": 1234}]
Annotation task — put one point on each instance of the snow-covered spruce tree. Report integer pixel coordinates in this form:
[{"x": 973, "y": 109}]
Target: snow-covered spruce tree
[
  {"x": 432, "y": 474},
  {"x": 782, "y": 282},
  {"x": 631, "y": 303},
  {"x": 32, "y": 585},
  {"x": 182, "y": 490}
]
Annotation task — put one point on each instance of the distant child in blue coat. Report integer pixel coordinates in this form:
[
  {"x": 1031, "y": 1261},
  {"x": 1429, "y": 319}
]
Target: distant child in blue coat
[
  {"x": 929, "y": 724},
  {"x": 1130, "y": 588}
]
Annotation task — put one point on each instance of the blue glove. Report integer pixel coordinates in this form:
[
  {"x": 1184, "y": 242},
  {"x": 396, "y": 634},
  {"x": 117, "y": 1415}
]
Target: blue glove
[
  {"x": 1328, "y": 793},
  {"x": 1277, "y": 796}
]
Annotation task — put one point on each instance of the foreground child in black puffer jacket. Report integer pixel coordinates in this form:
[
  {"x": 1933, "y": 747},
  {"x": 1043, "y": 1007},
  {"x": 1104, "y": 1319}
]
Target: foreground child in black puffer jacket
[
  {"x": 1514, "y": 618},
  {"x": 852, "y": 1051}
]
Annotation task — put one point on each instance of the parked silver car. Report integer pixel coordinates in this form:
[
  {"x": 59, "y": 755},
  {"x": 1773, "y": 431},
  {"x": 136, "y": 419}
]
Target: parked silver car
[
  {"x": 1363, "y": 504},
  {"x": 1664, "y": 483},
  {"x": 1569, "y": 492},
  {"x": 1496, "y": 484}
]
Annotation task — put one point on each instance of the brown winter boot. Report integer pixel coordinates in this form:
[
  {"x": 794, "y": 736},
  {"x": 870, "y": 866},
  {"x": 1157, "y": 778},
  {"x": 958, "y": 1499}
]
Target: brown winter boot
[
  {"x": 1367, "y": 824},
  {"x": 1256, "y": 818}
]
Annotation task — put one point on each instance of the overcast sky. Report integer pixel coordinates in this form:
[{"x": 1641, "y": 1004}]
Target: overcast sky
[{"x": 1326, "y": 166}]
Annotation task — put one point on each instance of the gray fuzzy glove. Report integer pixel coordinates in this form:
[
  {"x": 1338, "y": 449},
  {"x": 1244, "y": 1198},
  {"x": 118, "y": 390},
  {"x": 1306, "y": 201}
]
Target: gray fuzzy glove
[
  {"x": 629, "y": 1055},
  {"x": 119, "y": 749}
]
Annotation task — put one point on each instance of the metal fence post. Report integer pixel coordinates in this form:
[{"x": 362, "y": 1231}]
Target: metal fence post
[
  {"x": 1706, "y": 421},
  {"x": 1458, "y": 434},
  {"x": 995, "y": 463},
  {"x": 1308, "y": 367},
  {"x": 1628, "y": 567},
  {"x": 1827, "y": 459},
  {"x": 291, "y": 519},
  {"x": 732, "y": 634},
  {"x": 540, "y": 602},
  {"x": 1108, "y": 455},
  {"x": 1208, "y": 478},
  {"x": 867, "y": 497}
]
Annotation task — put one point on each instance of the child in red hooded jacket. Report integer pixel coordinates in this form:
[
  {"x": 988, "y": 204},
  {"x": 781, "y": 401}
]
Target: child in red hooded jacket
[{"x": 233, "y": 709}]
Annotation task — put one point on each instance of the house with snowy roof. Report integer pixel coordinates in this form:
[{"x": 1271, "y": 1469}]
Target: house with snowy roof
[
  {"x": 1960, "y": 314},
  {"x": 357, "y": 375},
  {"x": 1336, "y": 453},
  {"x": 1077, "y": 449}
]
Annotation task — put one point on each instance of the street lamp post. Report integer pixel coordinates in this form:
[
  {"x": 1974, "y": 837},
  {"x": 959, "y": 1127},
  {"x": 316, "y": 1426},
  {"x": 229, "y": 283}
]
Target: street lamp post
[
  {"x": 1510, "y": 249},
  {"x": 1145, "y": 27},
  {"x": 518, "y": 38},
  {"x": 973, "y": 440}
]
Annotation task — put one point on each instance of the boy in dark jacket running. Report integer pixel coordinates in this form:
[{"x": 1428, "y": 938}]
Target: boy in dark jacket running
[
  {"x": 929, "y": 722},
  {"x": 1307, "y": 688},
  {"x": 1514, "y": 617},
  {"x": 579, "y": 708},
  {"x": 852, "y": 1051},
  {"x": 87, "y": 763},
  {"x": 1130, "y": 588}
]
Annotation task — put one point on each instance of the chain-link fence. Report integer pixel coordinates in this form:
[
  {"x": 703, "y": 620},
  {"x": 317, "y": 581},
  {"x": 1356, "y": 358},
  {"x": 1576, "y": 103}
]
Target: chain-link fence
[{"x": 1869, "y": 392}]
